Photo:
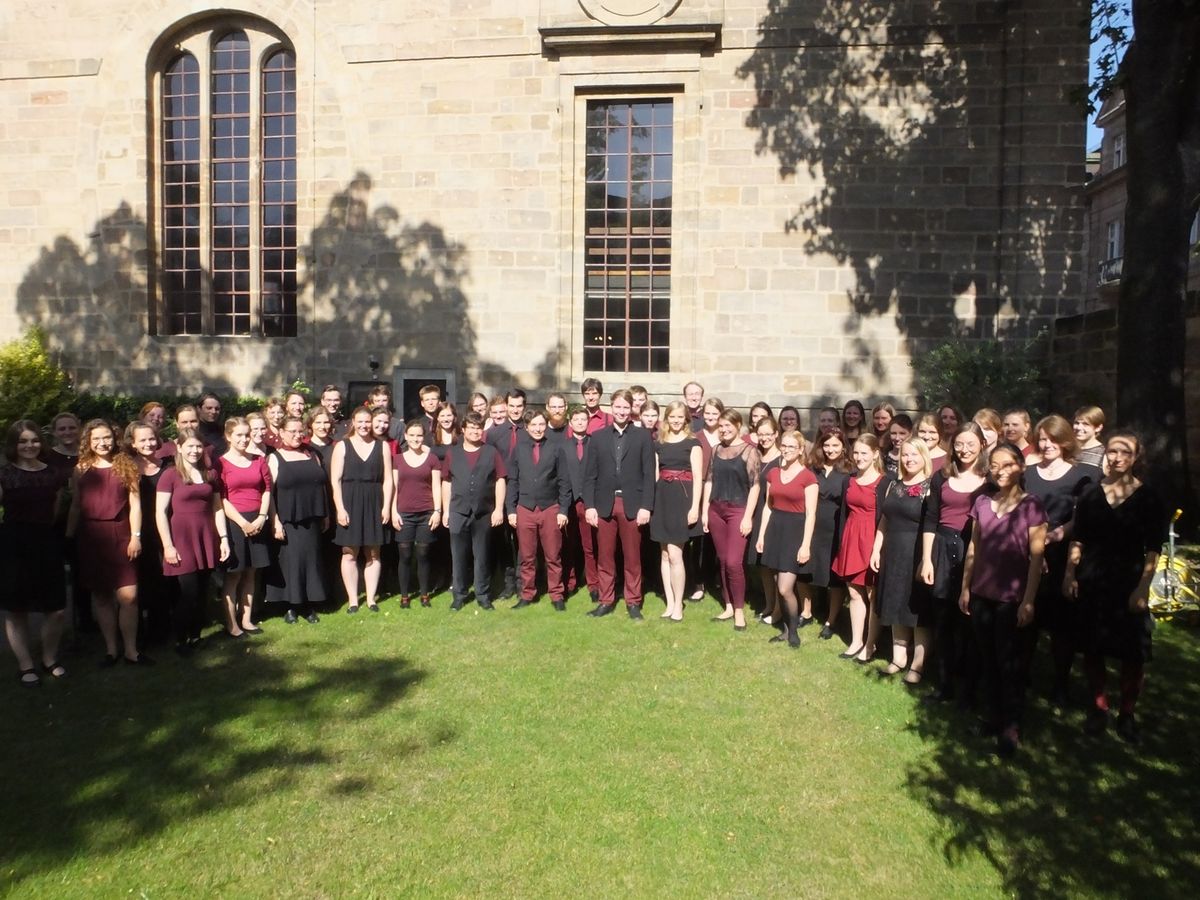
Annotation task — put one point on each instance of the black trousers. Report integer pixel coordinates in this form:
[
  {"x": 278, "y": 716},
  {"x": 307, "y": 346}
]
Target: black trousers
[
  {"x": 189, "y": 605},
  {"x": 1002, "y": 658},
  {"x": 469, "y": 547}
]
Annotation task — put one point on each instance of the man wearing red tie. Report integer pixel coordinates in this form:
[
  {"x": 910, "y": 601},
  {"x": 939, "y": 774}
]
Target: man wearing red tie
[
  {"x": 618, "y": 492},
  {"x": 538, "y": 495},
  {"x": 579, "y": 546}
]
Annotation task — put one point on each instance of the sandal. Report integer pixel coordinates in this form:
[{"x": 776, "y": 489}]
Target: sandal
[
  {"x": 55, "y": 669},
  {"x": 29, "y": 678}
]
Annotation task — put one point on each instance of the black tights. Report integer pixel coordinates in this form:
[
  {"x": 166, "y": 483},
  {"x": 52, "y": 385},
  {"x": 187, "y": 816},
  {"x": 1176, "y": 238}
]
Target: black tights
[
  {"x": 189, "y": 605},
  {"x": 404, "y": 569}
]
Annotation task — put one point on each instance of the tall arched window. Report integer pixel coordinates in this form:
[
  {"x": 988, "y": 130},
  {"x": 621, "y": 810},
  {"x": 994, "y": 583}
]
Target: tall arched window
[{"x": 226, "y": 185}]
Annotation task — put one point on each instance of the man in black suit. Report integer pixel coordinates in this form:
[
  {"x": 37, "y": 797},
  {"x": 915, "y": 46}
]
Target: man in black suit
[
  {"x": 579, "y": 547},
  {"x": 430, "y": 397},
  {"x": 538, "y": 492},
  {"x": 618, "y": 492},
  {"x": 504, "y": 438}
]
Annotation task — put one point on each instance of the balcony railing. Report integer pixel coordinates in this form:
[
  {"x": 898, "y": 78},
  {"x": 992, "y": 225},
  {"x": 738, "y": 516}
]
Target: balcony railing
[{"x": 1110, "y": 270}]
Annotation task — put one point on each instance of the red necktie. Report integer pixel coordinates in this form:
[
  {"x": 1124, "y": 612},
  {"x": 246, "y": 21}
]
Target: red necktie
[
  {"x": 536, "y": 455},
  {"x": 579, "y": 449},
  {"x": 512, "y": 441}
]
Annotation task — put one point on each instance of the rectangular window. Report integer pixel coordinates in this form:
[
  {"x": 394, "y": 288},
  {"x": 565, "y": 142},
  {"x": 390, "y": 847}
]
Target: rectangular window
[
  {"x": 1113, "y": 243},
  {"x": 1119, "y": 150},
  {"x": 627, "y": 235}
]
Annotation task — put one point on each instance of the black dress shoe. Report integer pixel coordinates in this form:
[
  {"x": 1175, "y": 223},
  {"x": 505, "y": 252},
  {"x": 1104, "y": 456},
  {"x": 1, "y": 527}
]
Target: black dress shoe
[
  {"x": 826, "y": 633},
  {"x": 603, "y": 609},
  {"x": 312, "y": 618},
  {"x": 140, "y": 660},
  {"x": 373, "y": 607},
  {"x": 486, "y": 605},
  {"x": 351, "y": 610},
  {"x": 254, "y": 630},
  {"x": 805, "y": 622},
  {"x": 290, "y": 617},
  {"x": 456, "y": 604},
  {"x": 635, "y": 612},
  {"x": 595, "y": 595},
  {"x": 559, "y": 605},
  {"x": 521, "y": 604}
]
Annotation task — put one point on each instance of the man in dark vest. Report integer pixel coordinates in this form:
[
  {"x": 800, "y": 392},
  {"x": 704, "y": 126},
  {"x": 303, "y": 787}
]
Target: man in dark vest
[
  {"x": 473, "y": 476},
  {"x": 537, "y": 495}
]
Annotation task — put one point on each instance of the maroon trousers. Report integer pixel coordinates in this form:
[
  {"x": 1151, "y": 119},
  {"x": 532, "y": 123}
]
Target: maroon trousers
[
  {"x": 539, "y": 527},
  {"x": 724, "y": 521},
  {"x": 616, "y": 528},
  {"x": 579, "y": 550}
]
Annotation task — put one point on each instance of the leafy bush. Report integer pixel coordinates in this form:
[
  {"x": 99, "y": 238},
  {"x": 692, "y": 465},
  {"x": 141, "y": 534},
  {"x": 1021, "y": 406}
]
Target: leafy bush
[
  {"x": 31, "y": 385},
  {"x": 121, "y": 409},
  {"x": 975, "y": 374}
]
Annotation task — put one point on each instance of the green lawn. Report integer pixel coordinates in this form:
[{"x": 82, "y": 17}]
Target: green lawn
[{"x": 537, "y": 754}]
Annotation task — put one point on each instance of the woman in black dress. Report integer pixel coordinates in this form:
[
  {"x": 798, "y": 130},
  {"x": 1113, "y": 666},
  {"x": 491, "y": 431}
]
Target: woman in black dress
[
  {"x": 31, "y": 554},
  {"x": 320, "y": 435},
  {"x": 1120, "y": 525},
  {"x": 361, "y": 475},
  {"x": 300, "y": 504},
  {"x": 676, "y": 515},
  {"x": 156, "y": 592},
  {"x": 944, "y": 539},
  {"x": 902, "y": 601},
  {"x": 832, "y": 468},
  {"x": 1058, "y": 483},
  {"x": 727, "y": 511}
]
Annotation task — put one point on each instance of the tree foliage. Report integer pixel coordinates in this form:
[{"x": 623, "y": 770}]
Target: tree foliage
[
  {"x": 973, "y": 374},
  {"x": 32, "y": 386}
]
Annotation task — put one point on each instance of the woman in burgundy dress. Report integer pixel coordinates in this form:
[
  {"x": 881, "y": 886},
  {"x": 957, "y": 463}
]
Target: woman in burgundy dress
[
  {"x": 31, "y": 552},
  {"x": 106, "y": 522},
  {"x": 1000, "y": 581},
  {"x": 245, "y": 488},
  {"x": 786, "y": 533},
  {"x": 944, "y": 538},
  {"x": 416, "y": 510},
  {"x": 853, "y": 561},
  {"x": 192, "y": 528}
]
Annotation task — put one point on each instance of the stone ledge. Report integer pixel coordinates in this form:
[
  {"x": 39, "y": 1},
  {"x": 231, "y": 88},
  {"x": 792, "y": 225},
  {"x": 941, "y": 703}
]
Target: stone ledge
[{"x": 572, "y": 40}]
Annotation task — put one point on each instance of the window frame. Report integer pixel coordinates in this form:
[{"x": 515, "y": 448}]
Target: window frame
[{"x": 199, "y": 40}]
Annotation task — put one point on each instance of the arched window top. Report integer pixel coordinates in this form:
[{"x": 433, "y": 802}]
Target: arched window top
[
  {"x": 183, "y": 64},
  {"x": 231, "y": 40}
]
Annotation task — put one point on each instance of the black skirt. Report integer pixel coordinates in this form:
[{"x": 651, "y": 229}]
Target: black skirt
[
  {"x": 247, "y": 552},
  {"x": 781, "y": 543}
]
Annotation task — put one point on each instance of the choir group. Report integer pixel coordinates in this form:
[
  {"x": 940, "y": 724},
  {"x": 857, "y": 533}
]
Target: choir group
[{"x": 964, "y": 538}]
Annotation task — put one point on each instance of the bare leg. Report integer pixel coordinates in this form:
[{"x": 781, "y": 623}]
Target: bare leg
[
  {"x": 52, "y": 629},
  {"x": 105, "y": 606},
  {"x": 668, "y": 588},
  {"x": 349, "y": 566},
  {"x": 920, "y": 648},
  {"x": 868, "y": 648},
  {"x": 245, "y": 599},
  {"x": 858, "y": 618},
  {"x": 901, "y": 638},
  {"x": 229, "y": 598},
  {"x": 16, "y": 627},
  {"x": 372, "y": 569},
  {"x": 678, "y": 577},
  {"x": 127, "y": 618},
  {"x": 836, "y": 597}
]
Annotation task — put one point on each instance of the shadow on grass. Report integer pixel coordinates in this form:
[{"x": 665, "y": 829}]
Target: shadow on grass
[
  {"x": 110, "y": 759},
  {"x": 1076, "y": 815}
]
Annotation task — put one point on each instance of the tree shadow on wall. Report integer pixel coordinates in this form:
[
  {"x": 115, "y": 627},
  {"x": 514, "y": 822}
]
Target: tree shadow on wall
[
  {"x": 890, "y": 113},
  {"x": 381, "y": 286},
  {"x": 393, "y": 289},
  {"x": 91, "y": 301}
]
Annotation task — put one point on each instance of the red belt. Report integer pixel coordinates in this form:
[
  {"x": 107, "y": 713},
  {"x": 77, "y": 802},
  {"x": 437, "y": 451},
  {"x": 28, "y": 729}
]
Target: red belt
[{"x": 675, "y": 475}]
